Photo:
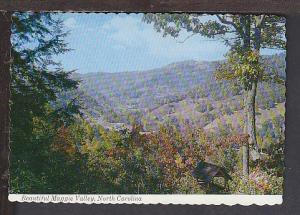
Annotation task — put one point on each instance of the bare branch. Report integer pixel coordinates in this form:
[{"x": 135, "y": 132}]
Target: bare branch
[
  {"x": 227, "y": 22},
  {"x": 188, "y": 37},
  {"x": 259, "y": 21},
  {"x": 185, "y": 39}
]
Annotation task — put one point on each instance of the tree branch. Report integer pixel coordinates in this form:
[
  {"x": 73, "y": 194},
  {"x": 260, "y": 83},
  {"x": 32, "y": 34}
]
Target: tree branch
[
  {"x": 227, "y": 22},
  {"x": 185, "y": 39}
]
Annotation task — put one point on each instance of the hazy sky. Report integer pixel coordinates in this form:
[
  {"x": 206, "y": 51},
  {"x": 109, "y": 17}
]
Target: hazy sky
[{"x": 122, "y": 42}]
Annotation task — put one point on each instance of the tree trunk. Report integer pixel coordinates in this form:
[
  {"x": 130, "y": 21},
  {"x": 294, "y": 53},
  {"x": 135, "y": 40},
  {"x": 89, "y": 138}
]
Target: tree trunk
[
  {"x": 245, "y": 149},
  {"x": 246, "y": 46},
  {"x": 250, "y": 125},
  {"x": 245, "y": 146},
  {"x": 250, "y": 93},
  {"x": 251, "y": 115}
]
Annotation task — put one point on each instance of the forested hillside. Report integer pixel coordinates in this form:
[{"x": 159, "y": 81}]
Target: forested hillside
[{"x": 179, "y": 93}]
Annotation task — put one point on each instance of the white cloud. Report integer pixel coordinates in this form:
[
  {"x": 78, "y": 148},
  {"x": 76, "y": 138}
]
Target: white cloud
[
  {"x": 129, "y": 31},
  {"x": 70, "y": 23}
]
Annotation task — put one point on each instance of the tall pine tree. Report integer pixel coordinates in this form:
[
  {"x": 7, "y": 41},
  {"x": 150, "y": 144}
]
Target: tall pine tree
[{"x": 36, "y": 81}]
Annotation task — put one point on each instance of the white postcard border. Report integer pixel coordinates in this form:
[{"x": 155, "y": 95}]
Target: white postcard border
[{"x": 193, "y": 199}]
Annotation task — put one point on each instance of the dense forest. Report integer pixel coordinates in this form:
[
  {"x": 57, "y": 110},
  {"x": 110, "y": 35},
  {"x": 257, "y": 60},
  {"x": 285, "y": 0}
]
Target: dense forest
[{"x": 184, "y": 128}]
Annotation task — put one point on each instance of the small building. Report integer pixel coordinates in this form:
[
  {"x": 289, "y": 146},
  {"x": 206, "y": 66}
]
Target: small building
[{"x": 206, "y": 172}]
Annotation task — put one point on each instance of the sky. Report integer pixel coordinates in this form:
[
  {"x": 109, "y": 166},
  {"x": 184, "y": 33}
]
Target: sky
[{"x": 122, "y": 42}]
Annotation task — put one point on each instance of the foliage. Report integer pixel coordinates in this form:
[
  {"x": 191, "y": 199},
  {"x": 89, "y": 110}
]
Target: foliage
[
  {"x": 246, "y": 67},
  {"x": 96, "y": 160},
  {"x": 37, "y": 79},
  {"x": 227, "y": 28},
  {"x": 56, "y": 150},
  {"x": 245, "y": 35}
]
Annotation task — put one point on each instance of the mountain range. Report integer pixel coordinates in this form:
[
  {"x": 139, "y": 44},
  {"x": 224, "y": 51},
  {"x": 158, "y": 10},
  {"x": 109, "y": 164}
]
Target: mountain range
[{"x": 180, "y": 93}]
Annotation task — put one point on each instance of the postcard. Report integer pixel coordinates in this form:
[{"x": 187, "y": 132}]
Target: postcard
[{"x": 147, "y": 108}]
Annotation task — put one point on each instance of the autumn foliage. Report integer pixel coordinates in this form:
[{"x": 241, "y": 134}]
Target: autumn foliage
[{"x": 132, "y": 161}]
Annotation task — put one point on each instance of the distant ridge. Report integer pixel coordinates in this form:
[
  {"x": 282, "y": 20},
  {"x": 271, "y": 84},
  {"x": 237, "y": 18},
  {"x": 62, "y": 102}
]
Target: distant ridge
[{"x": 178, "y": 93}]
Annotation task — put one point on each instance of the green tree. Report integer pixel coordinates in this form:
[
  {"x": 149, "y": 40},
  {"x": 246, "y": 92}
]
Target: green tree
[
  {"x": 245, "y": 35},
  {"x": 37, "y": 81}
]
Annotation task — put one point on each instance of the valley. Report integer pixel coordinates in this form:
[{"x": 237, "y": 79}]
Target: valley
[{"x": 182, "y": 93}]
